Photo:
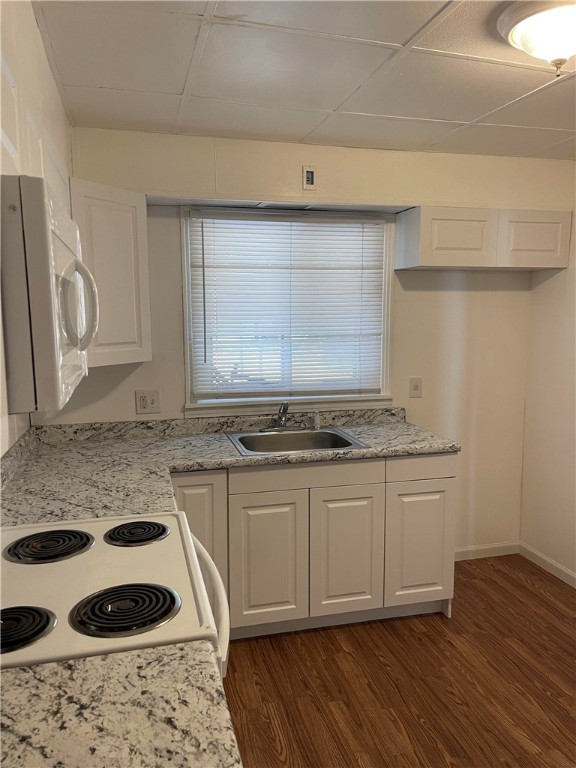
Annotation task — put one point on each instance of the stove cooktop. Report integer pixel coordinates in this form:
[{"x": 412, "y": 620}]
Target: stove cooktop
[{"x": 89, "y": 587}]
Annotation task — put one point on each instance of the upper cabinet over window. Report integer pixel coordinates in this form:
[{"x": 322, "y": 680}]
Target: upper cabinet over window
[
  {"x": 113, "y": 233},
  {"x": 482, "y": 238}
]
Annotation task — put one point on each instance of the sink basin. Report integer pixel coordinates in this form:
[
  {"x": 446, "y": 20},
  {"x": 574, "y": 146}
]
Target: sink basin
[{"x": 294, "y": 441}]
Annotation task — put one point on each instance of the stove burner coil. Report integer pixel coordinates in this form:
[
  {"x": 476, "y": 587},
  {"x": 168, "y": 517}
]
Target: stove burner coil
[
  {"x": 136, "y": 533},
  {"x": 48, "y": 546},
  {"x": 24, "y": 625},
  {"x": 128, "y": 609}
]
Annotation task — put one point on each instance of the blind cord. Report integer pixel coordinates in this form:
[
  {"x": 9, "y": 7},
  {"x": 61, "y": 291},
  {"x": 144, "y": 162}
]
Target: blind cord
[{"x": 205, "y": 332}]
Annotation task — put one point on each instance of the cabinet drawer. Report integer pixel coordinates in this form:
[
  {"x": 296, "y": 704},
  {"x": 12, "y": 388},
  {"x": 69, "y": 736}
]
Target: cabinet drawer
[
  {"x": 320, "y": 474},
  {"x": 421, "y": 467}
]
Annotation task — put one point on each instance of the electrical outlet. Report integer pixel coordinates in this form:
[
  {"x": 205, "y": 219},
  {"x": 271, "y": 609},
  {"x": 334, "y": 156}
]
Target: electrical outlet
[
  {"x": 147, "y": 401},
  {"x": 415, "y": 386}
]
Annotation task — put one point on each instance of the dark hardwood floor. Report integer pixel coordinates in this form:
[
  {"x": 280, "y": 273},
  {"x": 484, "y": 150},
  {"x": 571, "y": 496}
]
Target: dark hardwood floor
[{"x": 493, "y": 687}]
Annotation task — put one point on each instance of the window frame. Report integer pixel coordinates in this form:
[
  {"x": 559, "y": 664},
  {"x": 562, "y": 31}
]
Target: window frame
[{"x": 262, "y": 405}]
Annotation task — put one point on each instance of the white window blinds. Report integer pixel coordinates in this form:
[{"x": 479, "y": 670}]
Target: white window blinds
[{"x": 281, "y": 307}]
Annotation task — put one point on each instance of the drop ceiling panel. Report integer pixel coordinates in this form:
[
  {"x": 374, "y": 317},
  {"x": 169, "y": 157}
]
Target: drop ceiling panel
[
  {"x": 116, "y": 47},
  {"x": 471, "y": 29},
  {"x": 206, "y": 117},
  {"x": 390, "y": 22},
  {"x": 430, "y": 86},
  {"x": 553, "y": 107},
  {"x": 122, "y": 110},
  {"x": 271, "y": 68},
  {"x": 500, "y": 140},
  {"x": 333, "y": 73},
  {"x": 379, "y": 132}
]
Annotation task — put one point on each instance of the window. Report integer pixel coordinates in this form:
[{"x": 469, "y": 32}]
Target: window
[{"x": 285, "y": 306}]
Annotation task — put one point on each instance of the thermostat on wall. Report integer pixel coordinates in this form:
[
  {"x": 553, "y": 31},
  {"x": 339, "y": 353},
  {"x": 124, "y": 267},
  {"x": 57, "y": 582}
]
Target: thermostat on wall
[{"x": 308, "y": 177}]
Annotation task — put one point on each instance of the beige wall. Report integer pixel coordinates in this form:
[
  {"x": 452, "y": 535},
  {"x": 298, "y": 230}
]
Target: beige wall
[
  {"x": 548, "y": 531},
  {"x": 467, "y": 334},
  {"x": 35, "y": 136},
  {"x": 197, "y": 167}
]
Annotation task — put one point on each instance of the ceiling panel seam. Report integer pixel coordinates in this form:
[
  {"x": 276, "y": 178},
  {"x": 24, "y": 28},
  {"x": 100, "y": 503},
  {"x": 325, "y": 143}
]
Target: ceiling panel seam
[
  {"x": 192, "y": 73},
  {"x": 481, "y": 119}
]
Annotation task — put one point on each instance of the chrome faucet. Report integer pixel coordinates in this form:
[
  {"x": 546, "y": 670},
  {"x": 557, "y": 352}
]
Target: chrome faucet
[{"x": 282, "y": 413}]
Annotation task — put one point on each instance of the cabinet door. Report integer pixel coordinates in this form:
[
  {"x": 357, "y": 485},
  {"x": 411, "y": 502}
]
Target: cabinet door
[
  {"x": 113, "y": 233},
  {"x": 346, "y": 549},
  {"x": 419, "y": 561},
  {"x": 268, "y": 557},
  {"x": 203, "y": 497},
  {"x": 534, "y": 239},
  {"x": 446, "y": 237}
]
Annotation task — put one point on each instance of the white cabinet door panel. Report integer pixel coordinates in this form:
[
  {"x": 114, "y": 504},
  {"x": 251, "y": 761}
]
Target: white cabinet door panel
[
  {"x": 419, "y": 562},
  {"x": 534, "y": 239},
  {"x": 430, "y": 237},
  {"x": 346, "y": 549},
  {"x": 268, "y": 557},
  {"x": 112, "y": 225}
]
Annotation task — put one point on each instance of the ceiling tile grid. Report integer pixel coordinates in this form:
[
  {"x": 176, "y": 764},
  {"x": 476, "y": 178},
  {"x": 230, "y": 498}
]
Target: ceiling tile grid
[{"x": 391, "y": 74}]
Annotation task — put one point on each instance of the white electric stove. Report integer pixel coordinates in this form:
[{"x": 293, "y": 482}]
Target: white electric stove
[{"x": 90, "y": 587}]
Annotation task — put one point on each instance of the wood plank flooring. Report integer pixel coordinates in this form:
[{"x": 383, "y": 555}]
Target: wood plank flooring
[{"x": 493, "y": 687}]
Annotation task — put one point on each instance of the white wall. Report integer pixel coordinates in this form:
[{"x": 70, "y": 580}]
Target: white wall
[
  {"x": 466, "y": 335},
  {"x": 548, "y": 532},
  {"x": 35, "y": 140}
]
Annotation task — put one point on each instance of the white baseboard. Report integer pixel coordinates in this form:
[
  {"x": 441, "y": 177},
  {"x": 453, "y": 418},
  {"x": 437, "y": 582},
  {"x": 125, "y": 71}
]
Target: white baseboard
[
  {"x": 548, "y": 564},
  {"x": 487, "y": 550}
]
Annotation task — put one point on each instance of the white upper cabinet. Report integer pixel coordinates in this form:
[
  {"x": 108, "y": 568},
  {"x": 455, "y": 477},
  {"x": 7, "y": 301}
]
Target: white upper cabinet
[
  {"x": 481, "y": 238},
  {"x": 534, "y": 239},
  {"x": 446, "y": 237},
  {"x": 113, "y": 232}
]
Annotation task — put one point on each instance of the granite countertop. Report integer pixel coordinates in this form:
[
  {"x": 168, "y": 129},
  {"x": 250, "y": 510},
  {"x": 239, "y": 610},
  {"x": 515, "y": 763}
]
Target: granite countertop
[
  {"x": 154, "y": 706},
  {"x": 118, "y": 473},
  {"x": 139, "y": 709}
]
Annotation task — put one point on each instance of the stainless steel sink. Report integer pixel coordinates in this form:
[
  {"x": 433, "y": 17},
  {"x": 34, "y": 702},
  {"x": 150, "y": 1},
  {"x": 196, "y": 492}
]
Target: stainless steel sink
[{"x": 294, "y": 441}]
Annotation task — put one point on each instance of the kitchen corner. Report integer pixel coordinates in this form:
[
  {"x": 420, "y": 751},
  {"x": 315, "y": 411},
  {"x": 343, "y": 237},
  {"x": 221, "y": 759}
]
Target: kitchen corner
[{"x": 154, "y": 705}]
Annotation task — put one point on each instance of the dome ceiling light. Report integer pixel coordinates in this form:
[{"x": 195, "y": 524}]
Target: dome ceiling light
[{"x": 542, "y": 30}]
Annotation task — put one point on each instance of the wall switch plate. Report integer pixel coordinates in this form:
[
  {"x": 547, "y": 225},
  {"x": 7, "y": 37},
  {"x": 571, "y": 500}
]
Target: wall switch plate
[
  {"x": 147, "y": 401},
  {"x": 415, "y": 386},
  {"x": 308, "y": 177}
]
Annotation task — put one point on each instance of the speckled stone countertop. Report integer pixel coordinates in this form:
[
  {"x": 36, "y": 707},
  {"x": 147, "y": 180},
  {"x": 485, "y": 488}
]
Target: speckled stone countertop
[
  {"x": 122, "y": 474},
  {"x": 157, "y": 706},
  {"x": 139, "y": 709}
]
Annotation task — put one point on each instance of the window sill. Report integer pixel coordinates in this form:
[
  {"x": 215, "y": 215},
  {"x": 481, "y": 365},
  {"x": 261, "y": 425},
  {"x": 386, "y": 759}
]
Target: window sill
[{"x": 297, "y": 405}]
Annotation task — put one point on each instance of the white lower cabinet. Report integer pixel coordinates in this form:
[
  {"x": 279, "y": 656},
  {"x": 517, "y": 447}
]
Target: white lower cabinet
[
  {"x": 419, "y": 552},
  {"x": 203, "y": 496},
  {"x": 381, "y": 538},
  {"x": 346, "y": 549},
  {"x": 268, "y": 557}
]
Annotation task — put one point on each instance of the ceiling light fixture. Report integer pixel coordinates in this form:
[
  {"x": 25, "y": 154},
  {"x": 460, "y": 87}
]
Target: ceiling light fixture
[{"x": 544, "y": 30}]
